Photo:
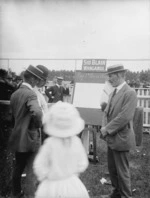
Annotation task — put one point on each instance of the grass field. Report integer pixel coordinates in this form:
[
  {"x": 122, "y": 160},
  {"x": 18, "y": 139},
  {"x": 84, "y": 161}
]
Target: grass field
[
  {"x": 140, "y": 171},
  {"x": 139, "y": 163}
]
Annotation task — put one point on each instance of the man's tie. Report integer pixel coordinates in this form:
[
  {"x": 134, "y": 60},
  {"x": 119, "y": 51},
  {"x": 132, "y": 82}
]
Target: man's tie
[{"x": 110, "y": 104}]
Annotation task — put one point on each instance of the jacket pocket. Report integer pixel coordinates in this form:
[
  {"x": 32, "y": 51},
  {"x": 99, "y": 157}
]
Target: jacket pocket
[
  {"x": 122, "y": 141},
  {"x": 34, "y": 140}
]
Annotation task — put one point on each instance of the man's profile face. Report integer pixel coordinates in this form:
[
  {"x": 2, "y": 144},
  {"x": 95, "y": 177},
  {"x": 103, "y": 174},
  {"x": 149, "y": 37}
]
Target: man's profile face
[
  {"x": 113, "y": 79},
  {"x": 41, "y": 83},
  {"x": 59, "y": 81}
]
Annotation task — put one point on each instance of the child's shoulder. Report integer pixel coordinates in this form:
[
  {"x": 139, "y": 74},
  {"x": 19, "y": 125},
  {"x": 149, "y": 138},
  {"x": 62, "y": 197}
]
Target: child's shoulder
[
  {"x": 76, "y": 140},
  {"x": 49, "y": 140}
]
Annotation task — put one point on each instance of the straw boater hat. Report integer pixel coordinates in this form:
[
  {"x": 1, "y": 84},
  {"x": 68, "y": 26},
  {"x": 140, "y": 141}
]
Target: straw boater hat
[
  {"x": 35, "y": 72},
  {"x": 115, "y": 69},
  {"x": 44, "y": 71},
  {"x": 63, "y": 120}
]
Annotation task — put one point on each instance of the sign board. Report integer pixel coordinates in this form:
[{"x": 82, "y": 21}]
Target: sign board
[
  {"x": 94, "y": 64},
  {"x": 88, "y": 90}
]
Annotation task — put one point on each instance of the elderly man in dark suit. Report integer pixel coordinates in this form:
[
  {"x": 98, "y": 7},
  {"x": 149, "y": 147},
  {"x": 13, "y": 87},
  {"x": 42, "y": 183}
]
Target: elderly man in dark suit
[
  {"x": 55, "y": 93},
  {"x": 118, "y": 131},
  {"x": 25, "y": 138}
]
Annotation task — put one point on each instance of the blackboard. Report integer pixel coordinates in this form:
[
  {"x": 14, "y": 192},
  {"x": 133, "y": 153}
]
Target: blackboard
[
  {"x": 90, "y": 76},
  {"x": 87, "y": 95}
]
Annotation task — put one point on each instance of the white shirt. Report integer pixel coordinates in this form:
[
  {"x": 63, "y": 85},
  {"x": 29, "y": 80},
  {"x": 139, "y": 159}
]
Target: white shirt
[
  {"x": 107, "y": 90},
  {"x": 120, "y": 86},
  {"x": 41, "y": 100}
]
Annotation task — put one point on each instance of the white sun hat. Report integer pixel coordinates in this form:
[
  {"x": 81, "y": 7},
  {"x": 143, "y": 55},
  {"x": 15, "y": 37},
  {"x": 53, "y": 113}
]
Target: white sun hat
[{"x": 63, "y": 120}]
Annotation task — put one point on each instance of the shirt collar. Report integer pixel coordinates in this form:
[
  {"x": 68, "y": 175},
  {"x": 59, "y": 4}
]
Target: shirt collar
[
  {"x": 120, "y": 86},
  {"x": 28, "y": 85},
  {"x": 58, "y": 85}
]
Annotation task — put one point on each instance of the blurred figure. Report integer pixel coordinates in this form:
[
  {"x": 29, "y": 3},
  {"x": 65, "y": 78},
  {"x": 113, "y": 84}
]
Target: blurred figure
[
  {"x": 103, "y": 106},
  {"x": 6, "y": 86},
  {"x": 107, "y": 90},
  {"x": 42, "y": 82},
  {"x": 41, "y": 99},
  {"x": 18, "y": 81},
  {"x": 55, "y": 80},
  {"x": 55, "y": 93},
  {"x": 62, "y": 157},
  {"x": 25, "y": 138},
  {"x": 66, "y": 94}
]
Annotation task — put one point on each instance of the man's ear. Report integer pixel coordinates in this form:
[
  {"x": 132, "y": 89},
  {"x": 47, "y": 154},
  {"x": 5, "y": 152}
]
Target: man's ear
[{"x": 32, "y": 79}]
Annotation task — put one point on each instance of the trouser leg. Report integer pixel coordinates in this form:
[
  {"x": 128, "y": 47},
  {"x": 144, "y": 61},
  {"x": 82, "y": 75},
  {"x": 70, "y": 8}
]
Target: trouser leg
[
  {"x": 20, "y": 163},
  {"x": 112, "y": 169},
  {"x": 31, "y": 180},
  {"x": 123, "y": 172}
]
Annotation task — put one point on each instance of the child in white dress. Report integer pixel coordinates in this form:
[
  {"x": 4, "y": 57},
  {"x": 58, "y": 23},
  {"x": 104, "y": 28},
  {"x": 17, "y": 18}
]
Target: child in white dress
[{"x": 62, "y": 157}]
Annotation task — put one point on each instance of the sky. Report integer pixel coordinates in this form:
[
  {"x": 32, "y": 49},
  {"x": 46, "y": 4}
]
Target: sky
[{"x": 67, "y": 31}]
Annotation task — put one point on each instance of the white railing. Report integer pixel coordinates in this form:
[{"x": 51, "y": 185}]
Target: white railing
[{"x": 143, "y": 95}]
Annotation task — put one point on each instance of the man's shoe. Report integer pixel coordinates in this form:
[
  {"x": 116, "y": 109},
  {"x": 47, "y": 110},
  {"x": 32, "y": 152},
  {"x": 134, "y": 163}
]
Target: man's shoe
[{"x": 115, "y": 194}]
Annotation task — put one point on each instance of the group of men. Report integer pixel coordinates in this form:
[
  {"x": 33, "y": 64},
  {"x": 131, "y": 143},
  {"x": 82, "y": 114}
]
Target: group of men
[
  {"x": 57, "y": 92},
  {"x": 28, "y": 107}
]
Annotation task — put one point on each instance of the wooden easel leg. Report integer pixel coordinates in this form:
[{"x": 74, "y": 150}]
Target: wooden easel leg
[{"x": 94, "y": 144}]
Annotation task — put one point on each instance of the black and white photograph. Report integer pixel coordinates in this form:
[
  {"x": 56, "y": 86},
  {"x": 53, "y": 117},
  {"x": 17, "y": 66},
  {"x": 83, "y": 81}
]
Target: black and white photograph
[{"x": 74, "y": 98}]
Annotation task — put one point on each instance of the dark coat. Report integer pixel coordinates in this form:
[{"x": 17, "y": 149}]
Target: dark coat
[
  {"x": 66, "y": 91},
  {"x": 54, "y": 93},
  {"x": 27, "y": 116},
  {"x": 6, "y": 90}
]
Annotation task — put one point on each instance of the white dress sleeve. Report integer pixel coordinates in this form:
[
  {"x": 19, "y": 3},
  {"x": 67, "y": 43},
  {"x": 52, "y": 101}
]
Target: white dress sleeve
[
  {"x": 42, "y": 161},
  {"x": 82, "y": 163}
]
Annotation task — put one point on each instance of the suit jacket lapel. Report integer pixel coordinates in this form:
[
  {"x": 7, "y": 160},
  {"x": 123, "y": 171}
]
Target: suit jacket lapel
[
  {"x": 116, "y": 98},
  {"x": 108, "y": 105}
]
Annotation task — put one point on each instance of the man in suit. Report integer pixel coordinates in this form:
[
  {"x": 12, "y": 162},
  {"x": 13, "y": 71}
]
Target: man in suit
[
  {"x": 118, "y": 131},
  {"x": 66, "y": 94},
  {"x": 25, "y": 138},
  {"x": 55, "y": 93}
]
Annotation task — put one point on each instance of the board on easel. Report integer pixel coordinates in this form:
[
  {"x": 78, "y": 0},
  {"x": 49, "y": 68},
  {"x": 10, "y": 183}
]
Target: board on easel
[{"x": 88, "y": 90}]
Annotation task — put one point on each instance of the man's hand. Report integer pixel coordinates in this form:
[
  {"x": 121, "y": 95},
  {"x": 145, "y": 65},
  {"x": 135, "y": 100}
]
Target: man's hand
[{"x": 103, "y": 132}]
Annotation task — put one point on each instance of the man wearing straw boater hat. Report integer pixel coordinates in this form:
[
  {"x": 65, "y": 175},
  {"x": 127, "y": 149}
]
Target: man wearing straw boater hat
[
  {"x": 118, "y": 131},
  {"x": 25, "y": 138}
]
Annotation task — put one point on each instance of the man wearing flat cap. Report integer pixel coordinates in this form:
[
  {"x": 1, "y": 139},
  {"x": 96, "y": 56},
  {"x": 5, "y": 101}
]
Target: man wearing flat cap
[
  {"x": 25, "y": 139},
  {"x": 55, "y": 93},
  {"x": 118, "y": 131}
]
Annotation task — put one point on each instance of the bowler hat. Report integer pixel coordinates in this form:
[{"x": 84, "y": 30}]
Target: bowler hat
[
  {"x": 44, "y": 71},
  {"x": 36, "y": 72},
  {"x": 115, "y": 69},
  {"x": 63, "y": 120}
]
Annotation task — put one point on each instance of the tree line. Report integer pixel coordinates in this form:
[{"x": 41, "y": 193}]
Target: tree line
[
  {"x": 142, "y": 77},
  {"x": 69, "y": 75}
]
